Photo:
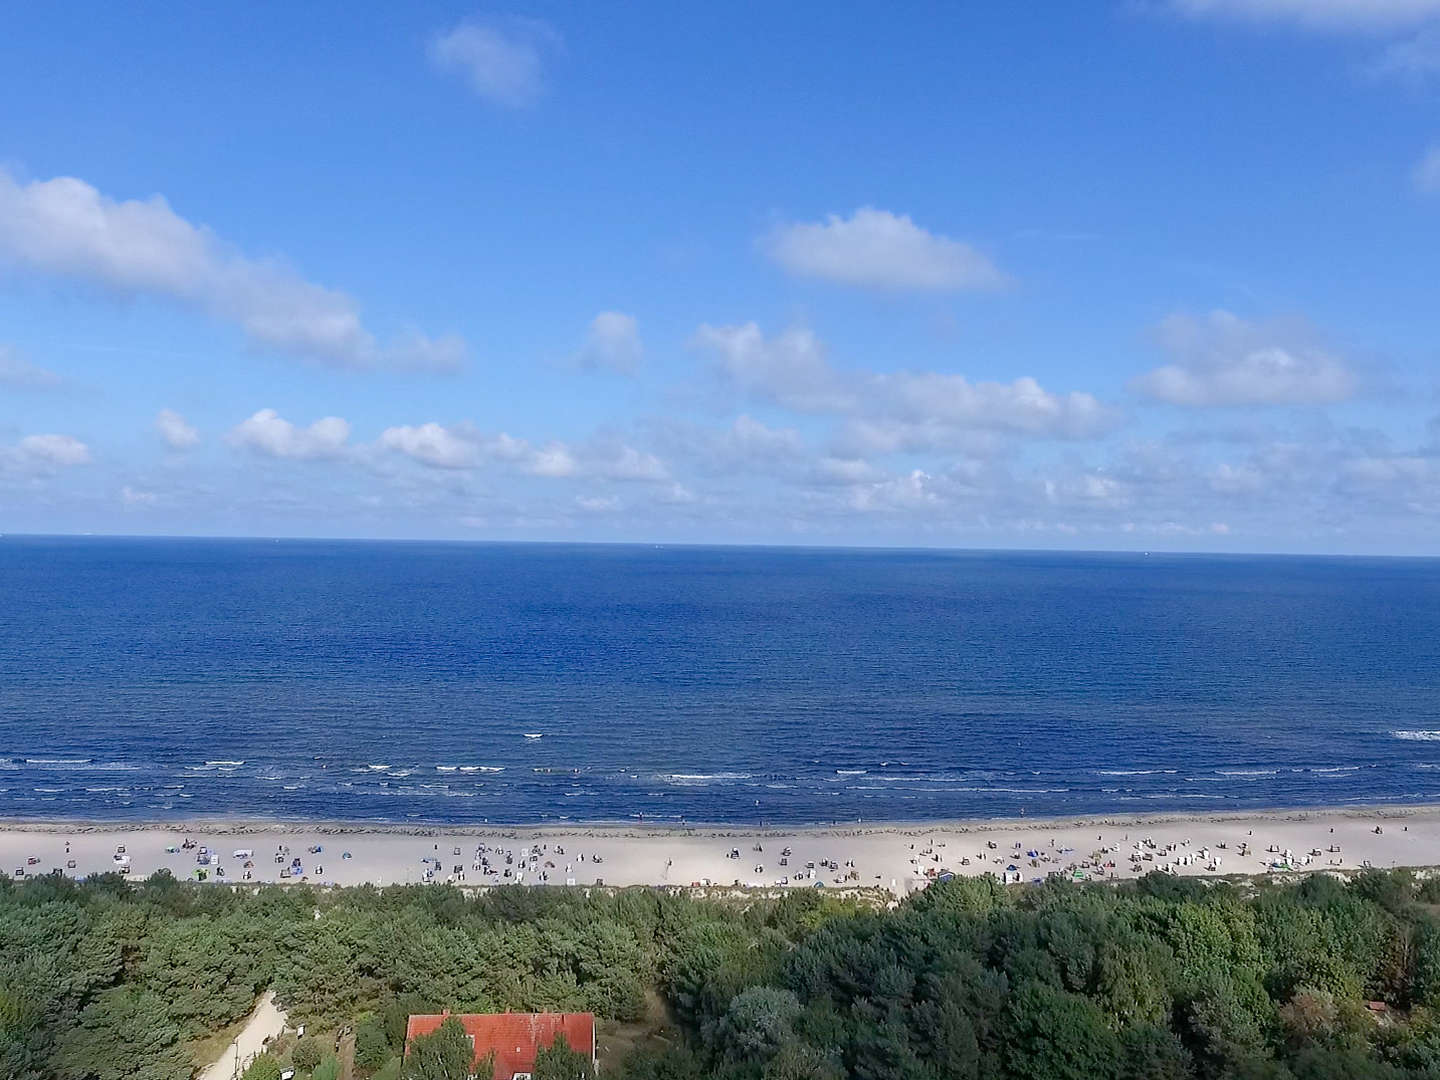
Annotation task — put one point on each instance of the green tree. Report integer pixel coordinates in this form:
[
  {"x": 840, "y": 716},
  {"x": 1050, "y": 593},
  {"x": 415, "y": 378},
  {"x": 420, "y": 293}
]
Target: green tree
[
  {"x": 445, "y": 1054},
  {"x": 372, "y": 1047},
  {"x": 1055, "y": 1035},
  {"x": 123, "y": 1035},
  {"x": 328, "y": 1069},
  {"x": 758, "y": 1023},
  {"x": 559, "y": 1062}
]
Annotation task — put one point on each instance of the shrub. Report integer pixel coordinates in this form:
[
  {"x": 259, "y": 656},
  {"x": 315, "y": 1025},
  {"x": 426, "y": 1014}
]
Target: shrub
[
  {"x": 264, "y": 1067},
  {"x": 306, "y": 1055}
]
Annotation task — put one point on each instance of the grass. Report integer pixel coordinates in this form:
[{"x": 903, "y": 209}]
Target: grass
[{"x": 208, "y": 1049}]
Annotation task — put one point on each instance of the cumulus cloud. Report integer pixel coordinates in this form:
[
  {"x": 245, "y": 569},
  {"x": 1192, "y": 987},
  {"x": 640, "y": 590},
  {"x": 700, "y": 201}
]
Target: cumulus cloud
[
  {"x": 50, "y": 451},
  {"x": 175, "y": 431},
  {"x": 1363, "y": 15},
  {"x": 792, "y": 370},
  {"x": 463, "y": 447},
  {"x": 1224, "y": 360},
  {"x": 503, "y": 61},
  {"x": 432, "y": 444},
  {"x": 877, "y": 249},
  {"x": 67, "y": 228},
  {"x": 20, "y": 374},
  {"x": 612, "y": 343},
  {"x": 134, "y": 498},
  {"x": 1426, "y": 175},
  {"x": 270, "y": 435}
]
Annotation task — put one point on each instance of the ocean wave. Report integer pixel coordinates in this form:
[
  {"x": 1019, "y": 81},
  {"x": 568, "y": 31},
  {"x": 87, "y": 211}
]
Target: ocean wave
[
  {"x": 685, "y": 778},
  {"x": 226, "y": 764},
  {"x": 1133, "y": 772},
  {"x": 58, "y": 761},
  {"x": 1247, "y": 772},
  {"x": 1416, "y": 736}
]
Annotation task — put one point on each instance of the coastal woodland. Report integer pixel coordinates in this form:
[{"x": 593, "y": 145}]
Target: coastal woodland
[{"x": 1160, "y": 978}]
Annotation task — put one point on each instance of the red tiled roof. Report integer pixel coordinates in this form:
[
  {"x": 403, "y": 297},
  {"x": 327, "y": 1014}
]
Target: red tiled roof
[{"x": 515, "y": 1037}]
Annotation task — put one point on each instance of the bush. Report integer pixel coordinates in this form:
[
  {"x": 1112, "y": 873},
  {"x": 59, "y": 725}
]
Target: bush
[
  {"x": 389, "y": 1071},
  {"x": 306, "y": 1055},
  {"x": 328, "y": 1069},
  {"x": 264, "y": 1067}
]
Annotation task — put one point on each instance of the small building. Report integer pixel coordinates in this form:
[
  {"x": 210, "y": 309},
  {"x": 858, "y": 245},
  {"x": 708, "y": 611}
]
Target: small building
[{"x": 514, "y": 1038}]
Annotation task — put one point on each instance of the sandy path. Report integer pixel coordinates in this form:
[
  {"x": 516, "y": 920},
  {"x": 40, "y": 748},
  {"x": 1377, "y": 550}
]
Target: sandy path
[
  {"x": 266, "y": 1021},
  {"x": 895, "y": 857}
]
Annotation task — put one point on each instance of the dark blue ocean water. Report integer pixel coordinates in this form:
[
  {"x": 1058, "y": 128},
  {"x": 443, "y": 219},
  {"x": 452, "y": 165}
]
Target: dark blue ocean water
[{"x": 152, "y": 679}]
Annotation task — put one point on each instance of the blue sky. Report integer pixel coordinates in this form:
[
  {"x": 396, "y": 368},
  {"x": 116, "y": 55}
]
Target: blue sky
[{"x": 1100, "y": 275}]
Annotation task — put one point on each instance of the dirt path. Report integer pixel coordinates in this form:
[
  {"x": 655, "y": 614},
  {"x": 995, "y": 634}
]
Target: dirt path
[{"x": 266, "y": 1021}]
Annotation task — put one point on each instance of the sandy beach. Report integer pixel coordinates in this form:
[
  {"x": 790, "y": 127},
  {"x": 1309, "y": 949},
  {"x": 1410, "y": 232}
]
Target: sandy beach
[{"x": 898, "y": 858}]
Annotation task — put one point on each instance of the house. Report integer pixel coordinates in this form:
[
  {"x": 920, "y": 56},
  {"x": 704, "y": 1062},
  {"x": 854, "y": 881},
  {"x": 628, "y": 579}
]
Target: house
[{"x": 514, "y": 1038}]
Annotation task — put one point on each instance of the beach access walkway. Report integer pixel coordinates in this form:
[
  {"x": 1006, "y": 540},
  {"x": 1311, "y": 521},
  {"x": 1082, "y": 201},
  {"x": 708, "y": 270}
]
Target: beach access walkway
[{"x": 267, "y": 1020}]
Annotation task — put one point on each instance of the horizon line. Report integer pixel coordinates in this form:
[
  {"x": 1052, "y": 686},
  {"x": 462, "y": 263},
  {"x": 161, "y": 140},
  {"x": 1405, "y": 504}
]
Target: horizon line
[{"x": 702, "y": 545}]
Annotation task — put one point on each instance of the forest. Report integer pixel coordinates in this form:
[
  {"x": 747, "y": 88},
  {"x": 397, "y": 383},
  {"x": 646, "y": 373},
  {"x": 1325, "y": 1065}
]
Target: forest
[{"x": 1153, "y": 979}]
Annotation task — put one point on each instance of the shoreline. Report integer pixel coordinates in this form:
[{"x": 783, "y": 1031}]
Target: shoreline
[{"x": 205, "y": 825}]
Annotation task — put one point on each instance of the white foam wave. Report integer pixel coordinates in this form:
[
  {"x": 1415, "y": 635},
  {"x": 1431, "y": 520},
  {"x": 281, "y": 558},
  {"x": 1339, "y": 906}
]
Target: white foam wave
[
  {"x": 1416, "y": 736},
  {"x": 700, "y": 778}
]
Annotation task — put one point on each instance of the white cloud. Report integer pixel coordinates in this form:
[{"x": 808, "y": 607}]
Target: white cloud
[
  {"x": 1022, "y": 405},
  {"x": 462, "y": 447},
  {"x": 792, "y": 370},
  {"x": 613, "y": 342},
  {"x": 133, "y": 498},
  {"x": 1414, "y": 59},
  {"x": 915, "y": 491},
  {"x": 877, "y": 249},
  {"x": 21, "y": 374},
  {"x": 268, "y": 434},
  {"x": 1230, "y": 479},
  {"x": 836, "y": 470},
  {"x": 174, "y": 429},
  {"x": 66, "y": 227},
  {"x": 1426, "y": 175},
  {"x": 1224, "y": 360},
  {"x": 503, "y": 61},
  {"x": 1366, "y": 15},
  {"x": 52, "y": 450},
  {"x": 554, "y": 460},
  {"x": 597, "y": 504},
  {"x": 432, "y": 444}
]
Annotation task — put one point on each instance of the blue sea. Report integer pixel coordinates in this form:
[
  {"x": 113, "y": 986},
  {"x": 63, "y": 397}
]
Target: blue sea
[{"x": 153, "y": 679}]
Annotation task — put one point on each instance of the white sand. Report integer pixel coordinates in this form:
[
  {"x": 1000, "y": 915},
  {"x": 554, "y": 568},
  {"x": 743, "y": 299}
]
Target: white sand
[
  {"x": 266, "y": 1022},
  {"x": 895, "y": 858}
]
